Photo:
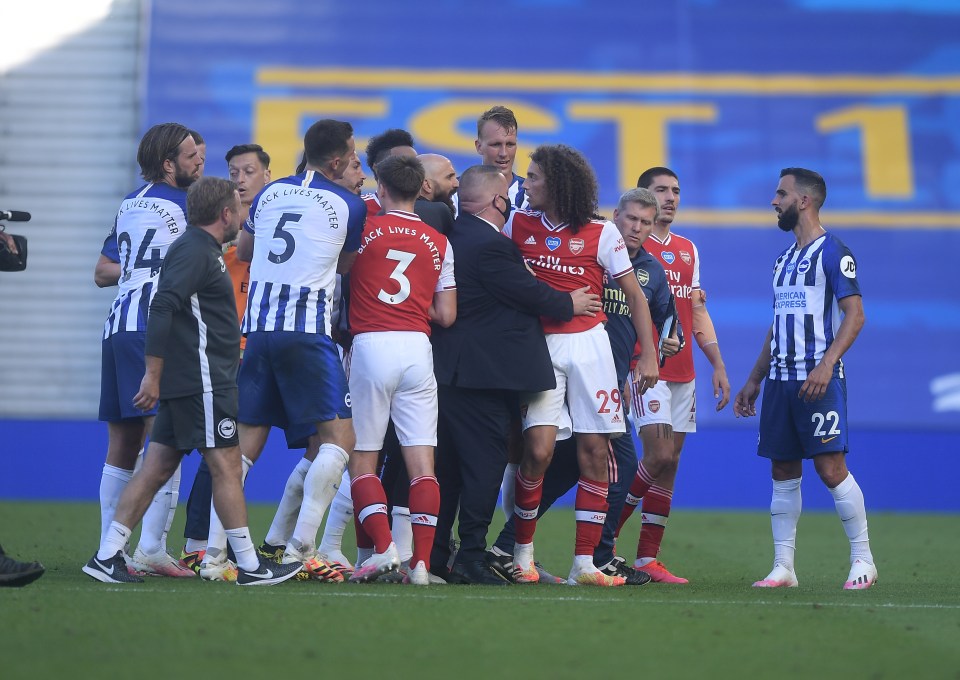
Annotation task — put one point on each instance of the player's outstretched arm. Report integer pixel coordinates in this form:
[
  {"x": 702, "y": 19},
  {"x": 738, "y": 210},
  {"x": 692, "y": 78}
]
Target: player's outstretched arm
[
  {"x": 815, "y": 386},
  {"x": 745, "y": 403}
]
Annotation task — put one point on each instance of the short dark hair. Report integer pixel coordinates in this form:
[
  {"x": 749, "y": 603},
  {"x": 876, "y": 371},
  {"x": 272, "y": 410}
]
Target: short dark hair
[
  {"x": 379, "y": 145},
  {"x": 646, "y": 177},
  {"x": 206, "y": 199},
  {"x": 240, "y": 149},
  {"x": 571, "y": 183},
  {"x": 302, "y": 165},
  {"x": 500, "y": 115},
  {"x": 326, "y": 139},
  {"x": 810, "y": 182},
  {"x": 160, "y": 143},
  {"x": 473, "y": 181},
  {"x": 402, "y": 175}
]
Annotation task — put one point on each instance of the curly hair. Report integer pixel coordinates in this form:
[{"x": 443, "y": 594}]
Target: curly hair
[{"x": 571, "y": 184}]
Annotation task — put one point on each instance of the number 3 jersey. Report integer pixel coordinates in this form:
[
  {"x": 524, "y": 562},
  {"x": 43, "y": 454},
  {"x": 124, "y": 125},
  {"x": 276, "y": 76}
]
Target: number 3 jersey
[
  {"x": 149, "y": 220},
  {"x": 401, "y": 263},
  {"x": 808, "y": 282},
  {"x": 300, "y": 225}
]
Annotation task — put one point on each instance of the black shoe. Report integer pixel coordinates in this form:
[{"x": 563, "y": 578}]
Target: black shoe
[
  {"x": 274, "y": 553},
  {"x": 268, "y": 574},
  {"x": 502, "y": 565},
  {"x": 475, "y": 572},
  {"x": 113, "y": 570},
  {"x": 15, "y": 574},
  {"x": 618, "y": 567}
]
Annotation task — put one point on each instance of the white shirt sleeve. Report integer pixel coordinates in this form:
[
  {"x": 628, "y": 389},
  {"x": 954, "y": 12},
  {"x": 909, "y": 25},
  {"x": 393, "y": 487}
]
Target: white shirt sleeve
[
  {"x": 612, "y": 252},
  {"x": 446, "y": 280}
]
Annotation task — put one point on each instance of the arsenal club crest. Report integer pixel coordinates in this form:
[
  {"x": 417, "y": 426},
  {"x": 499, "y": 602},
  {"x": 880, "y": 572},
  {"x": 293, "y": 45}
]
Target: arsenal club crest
[
  {"x": 576, "y": 246},
  {"x": 643, "y": 277},
  {"x": 685, "y": 256}
]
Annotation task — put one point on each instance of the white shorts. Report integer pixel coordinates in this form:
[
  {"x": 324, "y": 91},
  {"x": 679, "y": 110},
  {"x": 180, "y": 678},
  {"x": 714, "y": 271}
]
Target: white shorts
[
  {"x": 669, "y": 403},
  {"x": 391, "y": 377},
  {"x": 586, "y": 383}
]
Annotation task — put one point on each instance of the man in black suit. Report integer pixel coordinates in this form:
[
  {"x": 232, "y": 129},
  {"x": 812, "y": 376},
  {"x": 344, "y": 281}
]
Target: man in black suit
[{"x": 495, "y": 350}]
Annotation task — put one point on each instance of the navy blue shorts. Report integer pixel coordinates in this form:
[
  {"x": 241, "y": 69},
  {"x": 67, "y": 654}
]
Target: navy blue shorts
[
  {"x": 793, "y": 429},
  {"x": 121, "y": 372},
  {"x": 289, "y": 378}
]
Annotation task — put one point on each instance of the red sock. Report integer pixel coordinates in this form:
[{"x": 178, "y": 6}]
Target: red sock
[
  {"x": 591, "y": 512},
  {"x": 656, "y": 510},
  {"x": 370, "y": 509},
  {"x": 642, "y": 481},
  {"x": 363, "y": 538},
  {"x": 526, "y": 505},
  {"x": 424, "y": 506}
]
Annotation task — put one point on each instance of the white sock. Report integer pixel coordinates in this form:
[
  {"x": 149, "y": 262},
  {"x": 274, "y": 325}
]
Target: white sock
[
  {"x": 243, "y": 548},
  {"x": 217, "y": 536},
  {"x": 319, "y": 488},
  {"x": 584, "y": 563},
  {"x": 113, "y": 540},
  {"x": 174, "y": 500},
  {"x": 154, "y": 523},
  {"x": 113, "y": 481},
  {"x": 341, "y": 513},
  {"x": 508, "y": 489},
  {"x": 363, "y": 554},
  {"x": 286, "y": 515},
  {"x": 195, "y": 545},
  {"x": 402, "y": 532},
  {"x": 785, "y": 508},
  {"x": 848, "y": 499}
]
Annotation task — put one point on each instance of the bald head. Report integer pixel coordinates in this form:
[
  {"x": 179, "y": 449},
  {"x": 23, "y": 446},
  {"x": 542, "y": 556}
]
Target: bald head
[
  {"x": 440, "y": 179},
  {"x": 483, "y": 191}
]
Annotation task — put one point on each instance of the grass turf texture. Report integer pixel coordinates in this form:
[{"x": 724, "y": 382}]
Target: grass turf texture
[{"x": 908, "y": 625}]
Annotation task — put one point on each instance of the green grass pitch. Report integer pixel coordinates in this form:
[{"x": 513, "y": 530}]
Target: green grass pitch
[{"x": 908, "y": 626}]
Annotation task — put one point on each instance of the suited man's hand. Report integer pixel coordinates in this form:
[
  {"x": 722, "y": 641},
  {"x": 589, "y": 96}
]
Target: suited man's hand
[{"x": 585, "y": 303}]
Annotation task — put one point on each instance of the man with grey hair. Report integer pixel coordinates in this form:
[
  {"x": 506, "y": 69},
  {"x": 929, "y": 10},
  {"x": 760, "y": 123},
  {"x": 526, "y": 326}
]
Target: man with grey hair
[{"x": 191, "y": 366}]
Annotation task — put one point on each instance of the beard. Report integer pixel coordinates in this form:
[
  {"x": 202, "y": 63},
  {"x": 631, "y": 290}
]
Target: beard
[
  {"x": 182, "y": 179},
  {"x": 788, "y": 219}
]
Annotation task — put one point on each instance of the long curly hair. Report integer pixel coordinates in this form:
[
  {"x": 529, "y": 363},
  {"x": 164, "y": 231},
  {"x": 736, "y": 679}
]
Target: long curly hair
[{"x": 571, "y": 184}]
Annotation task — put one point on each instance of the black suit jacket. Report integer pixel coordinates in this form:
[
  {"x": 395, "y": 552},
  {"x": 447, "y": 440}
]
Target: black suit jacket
[
  {"x": 436, "y": 214},
  {"x": 497, "y": 341}
]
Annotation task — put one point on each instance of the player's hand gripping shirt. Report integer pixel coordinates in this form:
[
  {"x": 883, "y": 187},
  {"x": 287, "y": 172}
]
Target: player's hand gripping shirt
[
  {"x": 567, "y": 260},
  {"x": 681, "y": 262},
  {"x": 808, "y": 282},
  {"x": 149, "y": 220},
  {"x": 300, "y": 226},
  {"x": 401, "y": 263}
]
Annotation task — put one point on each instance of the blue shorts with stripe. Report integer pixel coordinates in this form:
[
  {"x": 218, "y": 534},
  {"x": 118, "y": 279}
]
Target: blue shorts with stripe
[
  {"x": 793, "y": 429},
  {"x": 289, "y": 378},
  {"x": 121, "y": 372}
]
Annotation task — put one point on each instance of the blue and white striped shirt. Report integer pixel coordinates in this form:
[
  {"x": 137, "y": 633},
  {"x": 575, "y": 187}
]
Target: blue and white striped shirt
[
  {"x": 149, "y": 220},
  {"x": 300, "y": 226},
  {"x": 808, "y": 282}
]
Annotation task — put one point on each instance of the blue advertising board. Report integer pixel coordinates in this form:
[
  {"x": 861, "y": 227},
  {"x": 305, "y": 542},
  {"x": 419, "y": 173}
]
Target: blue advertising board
[{"x": 725, "y": 93}]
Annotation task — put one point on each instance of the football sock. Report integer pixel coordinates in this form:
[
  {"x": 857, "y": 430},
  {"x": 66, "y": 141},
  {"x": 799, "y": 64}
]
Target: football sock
[
  {"x": 174, "y": 500},
  {"x": 289, "y": 507},
  {"x": 195, "y": 545},
  {"x": 424, "y": 506},
  {"x": 370, "y": 510},
  {"x": 508, "y": 488},
  {"x": 656, "y": 511},
  {"x": 319, "y": 488},
  {"x": 341, "y": 512},
  {"x": 113, "y": 481},
  {"x": 217, "y": 537},
  {"x": 591, "y": 513},
  {"x": 526, "y": 506},
  {"x": 642, "y": 481},
  {"x": 154, "y": 523},
  {"x": 785, "y": 508},
  {"x": 113, "y": 540},
  {"x": 243, "y": 548},
  {"x": 848, "y": 499},
  {"x": 402, "y": 532}
]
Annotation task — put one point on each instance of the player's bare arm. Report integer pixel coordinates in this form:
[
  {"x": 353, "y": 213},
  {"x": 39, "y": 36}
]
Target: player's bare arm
[
  {"x": 106, "y": 273},
  {"x": 815, "y": 386},
  {"x": 245, "y": 246},
  {"x": 443, "y": 310},
  {"x": 345, "y": 261},
  {"x": 706, "y": 337},
  {"x": 745, "y": 403}
]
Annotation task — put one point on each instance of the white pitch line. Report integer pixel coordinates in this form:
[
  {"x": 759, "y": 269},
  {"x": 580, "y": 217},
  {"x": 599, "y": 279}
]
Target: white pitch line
[{"x": 330, "y": 591}]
